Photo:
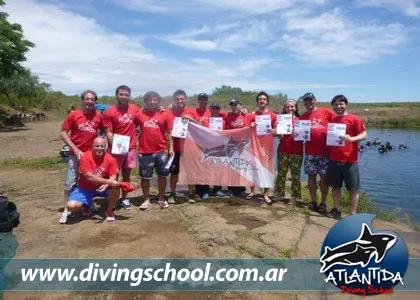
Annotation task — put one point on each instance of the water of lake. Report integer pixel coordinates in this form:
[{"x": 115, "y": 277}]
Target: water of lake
[{"x": 391, "y": 179}]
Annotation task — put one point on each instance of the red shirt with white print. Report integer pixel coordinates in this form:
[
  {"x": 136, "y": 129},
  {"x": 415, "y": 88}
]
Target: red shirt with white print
[
  {"x": 103, "y": 167},
  {"x": 121, "y": 121},
  {"x": 319, "y": 126},
  {"x": 171, "y": 114},
  {"x": 235, "y": 120},
  {"x": 289, "y": 145},
  {"x": 83, "y": 128},
  {"x": 350, "y": 151},
  {"x": 153, "y": 129}
]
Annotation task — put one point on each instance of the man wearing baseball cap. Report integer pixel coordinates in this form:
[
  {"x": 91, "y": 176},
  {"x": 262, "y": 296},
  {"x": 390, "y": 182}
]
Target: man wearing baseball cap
[{"x": 316, "y": 150}]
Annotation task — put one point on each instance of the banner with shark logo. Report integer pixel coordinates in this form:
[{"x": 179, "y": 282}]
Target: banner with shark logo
[{"x": 235, "y": 157}]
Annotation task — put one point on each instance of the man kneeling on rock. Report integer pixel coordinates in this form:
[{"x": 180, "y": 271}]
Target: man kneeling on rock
[{"x": 98, "y": 178}]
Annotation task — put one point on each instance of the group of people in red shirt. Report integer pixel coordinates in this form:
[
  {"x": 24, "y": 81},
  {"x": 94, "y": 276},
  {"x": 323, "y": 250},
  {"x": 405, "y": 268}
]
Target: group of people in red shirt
[{"x": 93, "y": 171}]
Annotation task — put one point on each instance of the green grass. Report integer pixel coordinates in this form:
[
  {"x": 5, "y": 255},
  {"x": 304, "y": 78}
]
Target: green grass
[
  {"x": 286, "y": 252},
  {"x": 32, "y": 163}
]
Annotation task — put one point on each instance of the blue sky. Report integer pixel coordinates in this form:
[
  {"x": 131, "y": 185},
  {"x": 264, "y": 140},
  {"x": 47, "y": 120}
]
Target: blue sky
[{"x": 365, "y": 49}]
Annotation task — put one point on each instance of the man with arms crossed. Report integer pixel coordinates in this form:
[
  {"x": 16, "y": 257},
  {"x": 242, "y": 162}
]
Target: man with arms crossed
[
  {"x": 83, "y": 125},
  {"x": 343, "y": 165},
  {"x": 316, "y": 150},
  {"x": 153, "y": 148},
  {"x": 98, "y": 178},
  {"x": 119, "y": 119}
]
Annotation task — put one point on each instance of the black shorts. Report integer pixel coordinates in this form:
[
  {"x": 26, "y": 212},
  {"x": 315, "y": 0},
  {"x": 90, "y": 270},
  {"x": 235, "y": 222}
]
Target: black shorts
[
  {"x": 339, "y": 172},
  {"x": 174, "y": 169}
]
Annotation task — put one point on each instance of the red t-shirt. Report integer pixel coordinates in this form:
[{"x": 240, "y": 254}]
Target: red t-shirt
[
  {"x": 348, "y": 153},
  {"x": 153, "y": 129},
  {"x": 319, "y": 126},
  {"x": 104, "y": 168},
  {"x": 252, "y": 116},
  {"x": 289, "y": 145},
  {"x": 170, "y": 115},
  {"x": 235, "y": 121},
  {"x": 84, "y": 128},
  {"x": 121, "y": 120}
]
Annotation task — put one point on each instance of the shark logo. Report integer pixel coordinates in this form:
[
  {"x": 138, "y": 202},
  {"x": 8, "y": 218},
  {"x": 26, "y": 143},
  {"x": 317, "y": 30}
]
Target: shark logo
[
  {"x": 359, "y": 251},
  {"x": 360, "y": 260},
  {"x": 228, "y": 149}
]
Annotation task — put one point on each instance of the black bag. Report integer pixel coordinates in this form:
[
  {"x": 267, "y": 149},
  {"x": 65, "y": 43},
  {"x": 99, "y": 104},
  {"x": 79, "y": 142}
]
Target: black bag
[{"x": 9, "y": 215}]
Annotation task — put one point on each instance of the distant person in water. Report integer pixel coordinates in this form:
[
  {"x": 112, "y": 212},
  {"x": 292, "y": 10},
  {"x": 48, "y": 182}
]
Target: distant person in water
[{"x": 402, "y": 146}]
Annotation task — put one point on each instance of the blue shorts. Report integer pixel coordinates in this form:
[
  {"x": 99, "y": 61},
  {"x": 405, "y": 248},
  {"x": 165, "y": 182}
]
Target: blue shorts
[
  {"x": 148, "y": 162},
  {"x": 85, "y": 196},
  {"x": 316, "y": 164}
]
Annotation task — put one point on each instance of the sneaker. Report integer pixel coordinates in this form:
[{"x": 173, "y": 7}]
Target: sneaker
[
  {"x": 145, "y": 204},
  {"x": 334, "y": 213},
  {"x": 220, "y": 194},
  {"x": 313, "y": 206},
  {"x": 206, "y": 196},
  {"x": 230, "y": 193},
  {"x": 126, "y": 204},
  {"x": 163, "y": 203},
  {"x": 322, "y": 209},
  {"x": 172, "y": 198},
  {"x": 110, "y": 217},
  {"x": 191, "y": 198},
  {"x": 64, "y": 216}
]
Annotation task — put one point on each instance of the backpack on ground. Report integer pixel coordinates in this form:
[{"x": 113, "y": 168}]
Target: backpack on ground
[{"x": 9, "y": 215}]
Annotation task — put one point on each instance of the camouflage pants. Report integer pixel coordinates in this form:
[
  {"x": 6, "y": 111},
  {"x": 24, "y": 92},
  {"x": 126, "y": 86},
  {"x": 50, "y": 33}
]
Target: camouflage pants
[{"x": 284, "y": 162}]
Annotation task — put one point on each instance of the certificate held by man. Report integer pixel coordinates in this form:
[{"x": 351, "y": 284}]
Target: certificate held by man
[
  {"x": 120, "y": 144},
  {"x": 284, "y": 124},
  {"x": 263, "y": 123},
  {"x": 216, "y": 123},
  {"x": 180, "y": 128},
  {"x": 302, "y": 130},
  {"x": 335, "y": 134}
]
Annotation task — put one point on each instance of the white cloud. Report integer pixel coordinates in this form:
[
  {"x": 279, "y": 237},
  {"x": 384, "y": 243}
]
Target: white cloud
[
  {"x": 408, "y": 7},
  {"x": 252, "y": 7},
  {"x": 331, "y": 38},
  {"x": 74, "y": 52}
]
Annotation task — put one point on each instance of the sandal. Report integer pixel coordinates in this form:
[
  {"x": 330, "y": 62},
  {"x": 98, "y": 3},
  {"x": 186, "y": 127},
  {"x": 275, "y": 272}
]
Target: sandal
[
  {"x": 145, "y": 204},
  {"x": 251, "y": 196},
  {"x": 267, "y": 200}
]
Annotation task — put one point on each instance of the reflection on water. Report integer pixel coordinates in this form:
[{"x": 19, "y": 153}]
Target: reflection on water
[{"x": 391, "y": 179}]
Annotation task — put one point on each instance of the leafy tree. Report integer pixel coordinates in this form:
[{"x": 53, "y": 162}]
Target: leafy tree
[
  {"x": 21, "y": 88},
  {"x": 13, "y": 46}
]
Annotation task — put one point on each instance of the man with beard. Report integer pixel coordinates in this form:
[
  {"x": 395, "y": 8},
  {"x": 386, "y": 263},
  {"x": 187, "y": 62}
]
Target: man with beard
[
  {"x": 98, "y": 178},
  {"x": 82, "y": 125},
  {"x": 119, "y": 119},
  {"x": 343, "y": 165},
  {"x": 316, "y": 150}
]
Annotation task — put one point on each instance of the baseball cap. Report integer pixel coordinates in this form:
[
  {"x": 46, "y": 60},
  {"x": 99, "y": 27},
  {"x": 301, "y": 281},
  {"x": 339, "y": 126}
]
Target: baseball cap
[
  {"x": 308, "y": 96},
  {"x": 202, "y": 95},
  {"x": 127, "y": 186},
  {"x": 214, "y": 105},
  {"x": 234, "y": 102}
]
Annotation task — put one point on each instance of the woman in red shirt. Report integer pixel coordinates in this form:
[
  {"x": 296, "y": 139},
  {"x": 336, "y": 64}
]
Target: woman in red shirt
[{"x": 290, "y": 155}]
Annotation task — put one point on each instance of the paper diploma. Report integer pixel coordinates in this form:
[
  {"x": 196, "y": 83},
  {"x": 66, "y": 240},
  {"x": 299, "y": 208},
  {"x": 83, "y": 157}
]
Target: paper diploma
[
  {"x": 263, "y": 124},
  {"x": 216, "y": 123},
  {"x": 169, "y": 163},
  {"x": 334, "y": 134},
  {"x": 284, "y": 124},
  {"x": 303, "y": 130},
  {"x": 180, "y": 128},
  {"x": 120, "y": 144}
]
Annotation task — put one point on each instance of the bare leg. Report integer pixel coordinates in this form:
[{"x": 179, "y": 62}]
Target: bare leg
[
  {"x": 173, "y": 181},
  {"x": 312, "y": 187},
  {"x": 113, "y": 196},
  {"x": 336, "y": 192},
  {"x": 354, "y": 196},
  {"x": 324, "y": 189},
  {"x": 161, "y": 186},
  {"x": 74, "y": 206},
  {"x": 266, "y": 198},
  {"x": 145, "y": 186}
]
